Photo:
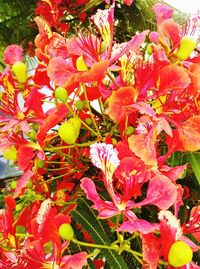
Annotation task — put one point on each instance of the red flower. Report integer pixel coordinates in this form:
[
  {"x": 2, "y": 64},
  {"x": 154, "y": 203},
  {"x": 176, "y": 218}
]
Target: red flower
[
  {"x": 161, "y": 191},
  {"x": 170, "y": 232}
]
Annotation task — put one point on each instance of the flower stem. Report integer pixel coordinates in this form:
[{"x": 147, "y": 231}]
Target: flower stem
[
  {"x": 86, "y": 244},
  {"x": 113, "y": 80},
  {"x": 60, "y": 176},
  {"x": 86, "y": 144},
  {"x": 24, "y": 235},
  {"x": 90, "y": 111}
]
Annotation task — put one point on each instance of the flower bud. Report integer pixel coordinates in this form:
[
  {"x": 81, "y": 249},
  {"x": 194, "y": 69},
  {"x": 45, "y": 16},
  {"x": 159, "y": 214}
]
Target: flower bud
[
  {"x": 180, "y": 254},
  {"x": 20, "y": 71},
  {"x": 186, "y": 47}
]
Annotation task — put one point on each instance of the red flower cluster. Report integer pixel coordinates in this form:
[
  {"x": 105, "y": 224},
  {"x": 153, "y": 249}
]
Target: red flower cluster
[{"x": 102, "y": 120}]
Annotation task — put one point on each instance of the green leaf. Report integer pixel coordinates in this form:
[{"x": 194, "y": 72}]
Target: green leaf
[
  {"x": 86, "y": 216},
  {"x": 194, "y": 159}
]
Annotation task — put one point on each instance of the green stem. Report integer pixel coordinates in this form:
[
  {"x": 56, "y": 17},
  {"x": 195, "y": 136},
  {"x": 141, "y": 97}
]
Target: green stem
[
  {"x": 86, "y": 144},
  {"x": 56, "y": 169},
  {"x": 91, "y": 255},
  {"x": 89, "y": 108},
  {"x": 86, "y": 244},
  {"x": 60, "y": 176},
  {"x": 163, "y": 262},
  {"x": 24, "y": 235},
  {"x": 113, "y": 80},
  {"x": 56, "y": 162},
  {"x": 102, "y": 110}
]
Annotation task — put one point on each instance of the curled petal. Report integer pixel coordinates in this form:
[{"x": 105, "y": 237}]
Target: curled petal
[
  {"x": 172, "y": 30},
  {"x": 161, "y": 192},
  {"x": 170, "y": 226},
  {"x": 139, "y": 225},
  {"x": 59, "y": 70},
  {"x": 57, "y": 115},
  {"x": 105, "y": 209},
  {"x": 162, "y": 12},
  {"x": 76, "y": 261},
  {"x": 187, "y": 136},
  {"x": 96, "y": 73},
  {"x": 143, "y": 145}
]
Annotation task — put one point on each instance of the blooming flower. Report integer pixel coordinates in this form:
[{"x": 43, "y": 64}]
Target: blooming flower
[{"x": 161, "y": 191}]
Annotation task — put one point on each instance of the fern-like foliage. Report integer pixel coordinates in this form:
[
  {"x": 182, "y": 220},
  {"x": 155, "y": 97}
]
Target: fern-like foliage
[{"x": 86, "y": 217}]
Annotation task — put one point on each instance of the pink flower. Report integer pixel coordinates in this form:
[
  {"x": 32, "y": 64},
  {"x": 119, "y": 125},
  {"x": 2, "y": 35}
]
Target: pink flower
[{"x": 12, "y": 54}]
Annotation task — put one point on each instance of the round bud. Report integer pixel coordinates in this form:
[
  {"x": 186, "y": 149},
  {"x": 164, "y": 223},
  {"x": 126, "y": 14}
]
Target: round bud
[
  {"x": 10, "y": 153},
  {"x": 77, "y": 124},
  {"x": 40, "y": 163},
  {"x": 13, "y": 184},
  {"x": 129, "y": 130},
  {"x": 187, "y": 45},
  {"x": 20, "y": 71},
  {"x": 79, "y": 104},
  {"x": 32, "y": 134},
  {"x": 80, "y": 64},
  {"x": 149, "y": 49},
  {"x": 61, "y": 94},
  {"x": 180, "y": 254},
  {"x": 18, "y": 207},
  {"x": 88, "y": 121},
  {"x": 68, "y": 132},
  {"x": 66, "y": 231}
]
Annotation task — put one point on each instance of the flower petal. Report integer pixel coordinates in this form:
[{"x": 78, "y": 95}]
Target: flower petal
[
  {"x": 150, "y": 247},
  {"x": 105, "y": 209},
  {"x": 173, "y": 77},
  {"x": 120, "y": 103},
  {"x": 76, "y": 261},
  {"x": 161, "y": 192},
  {"x": 59, "y": 70},
  {"x": 187, "y": 136},
  {"x": 139, "y": 225}
]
